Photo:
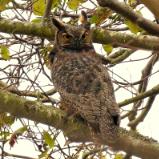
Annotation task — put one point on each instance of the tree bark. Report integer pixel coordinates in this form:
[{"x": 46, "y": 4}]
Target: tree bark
[
  {"x": 76, "y": 131},
  {"x": 101, "y": 36}
]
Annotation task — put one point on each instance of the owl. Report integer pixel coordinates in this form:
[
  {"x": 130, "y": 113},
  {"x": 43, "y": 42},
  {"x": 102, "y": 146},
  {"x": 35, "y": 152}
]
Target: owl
[{"x": 82, "y": 80}]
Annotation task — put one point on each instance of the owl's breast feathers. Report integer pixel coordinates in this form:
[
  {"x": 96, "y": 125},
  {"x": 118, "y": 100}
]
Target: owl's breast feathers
[
  {"x": 84, "y": 81},
  {"x": 78, "y": 73}
]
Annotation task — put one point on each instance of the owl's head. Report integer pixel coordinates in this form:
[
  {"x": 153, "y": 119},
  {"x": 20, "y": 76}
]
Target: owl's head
[{"x": 73, "y": 37}]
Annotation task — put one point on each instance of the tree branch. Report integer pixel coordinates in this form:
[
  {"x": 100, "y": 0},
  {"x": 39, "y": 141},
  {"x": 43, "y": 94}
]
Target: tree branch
[
  {"x": 47, "y": 10},
  {"x": 146, "y": 72},
  {"x": 121, "y": 55},
  {"x": 99, "y": 35},
  {"x": 76, "y": 131},
  {"x": 153, "y": 6},
  {"x": 144, "y": 112},
  {"x": 127, "y": 12},
  {"x": 151, "y": 92},
  {"x": 25, "y": 28},
  {"x": 6, "y": 154}
]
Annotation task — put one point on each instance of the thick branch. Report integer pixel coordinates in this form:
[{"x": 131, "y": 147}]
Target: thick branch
[
  {"x": 127, "y": 12},
  {"x": 99, "y": 35},
  {"x": 125, "y": 40},
  {"x": 14, "y": 27},
  {"x": 76, "y": 131}
]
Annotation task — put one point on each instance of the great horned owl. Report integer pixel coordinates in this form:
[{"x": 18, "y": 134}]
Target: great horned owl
[{"x": 81, "y": 79}]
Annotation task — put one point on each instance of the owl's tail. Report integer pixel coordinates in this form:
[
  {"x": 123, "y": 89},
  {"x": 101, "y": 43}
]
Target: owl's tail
[{"x": 108, "y": 128}]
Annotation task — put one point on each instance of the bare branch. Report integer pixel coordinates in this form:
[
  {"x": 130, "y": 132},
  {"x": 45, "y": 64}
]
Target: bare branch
[
  {"x": 144, "y": 112},
  {"x": 142, "y": 88},
  {"x": 151, "y": 92},
  {"x": 127, "y": 12},
  {"x": 16, "y": 156},
  {"x": 47, "y": 10}
]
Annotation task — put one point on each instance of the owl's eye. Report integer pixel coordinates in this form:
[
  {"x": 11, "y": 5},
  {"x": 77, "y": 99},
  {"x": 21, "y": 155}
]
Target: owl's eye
[
  {"x": 66, "y": 36},
  {"x": 84, "y": 35}
]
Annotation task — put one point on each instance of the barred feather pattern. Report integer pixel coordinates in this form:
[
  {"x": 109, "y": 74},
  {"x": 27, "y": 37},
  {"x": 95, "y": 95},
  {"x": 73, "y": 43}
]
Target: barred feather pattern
[{"x": 85, "y": 85}]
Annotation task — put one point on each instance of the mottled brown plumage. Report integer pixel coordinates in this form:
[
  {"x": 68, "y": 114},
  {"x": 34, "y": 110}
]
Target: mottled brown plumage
[{"x": 81, "y": 79}]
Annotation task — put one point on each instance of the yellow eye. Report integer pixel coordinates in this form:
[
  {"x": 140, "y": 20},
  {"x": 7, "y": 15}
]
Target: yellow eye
[{"x": 66, "y": 36}]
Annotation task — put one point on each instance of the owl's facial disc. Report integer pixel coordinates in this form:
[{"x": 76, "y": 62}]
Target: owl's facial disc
[
  {"x": 78, "y": 42},
  {"x": 74, "y": 39}
]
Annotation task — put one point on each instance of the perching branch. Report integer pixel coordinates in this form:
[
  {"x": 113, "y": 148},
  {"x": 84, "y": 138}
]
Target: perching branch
[
  {"x": 76, "y": 131},
  {"x": 99, "y": 35},
  {"x": 127, "y": 12}
]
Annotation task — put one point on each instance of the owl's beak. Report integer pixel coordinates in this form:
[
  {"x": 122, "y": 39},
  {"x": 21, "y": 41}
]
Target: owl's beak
[{"x": 77, "y": 43}]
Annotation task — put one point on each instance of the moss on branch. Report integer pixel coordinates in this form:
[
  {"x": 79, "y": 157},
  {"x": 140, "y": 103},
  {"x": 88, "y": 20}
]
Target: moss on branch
[
  {"x": 26, "y": 28},
  {"x": 99, "y": 35},
  {"x": 76, "y": 131},
  {"x": 126, "y": 40}
]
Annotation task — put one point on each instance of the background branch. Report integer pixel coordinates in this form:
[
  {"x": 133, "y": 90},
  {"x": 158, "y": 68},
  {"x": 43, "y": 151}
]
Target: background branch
[
  {"x": 141, "y": 89},
  {"x": 99, "y": 35},
  {"x": 47, "y": 10},
  {"x": 127, "y": 12},
  {"x": 151, "y": 92},
  {"x": 153, "y": 6}
]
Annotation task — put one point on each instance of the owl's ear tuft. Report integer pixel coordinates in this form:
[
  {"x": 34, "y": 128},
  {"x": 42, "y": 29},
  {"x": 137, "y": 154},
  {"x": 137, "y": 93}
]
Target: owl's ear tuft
[
  {"x": 84, "y": 20},
  {"x": 58, "y": 24}
]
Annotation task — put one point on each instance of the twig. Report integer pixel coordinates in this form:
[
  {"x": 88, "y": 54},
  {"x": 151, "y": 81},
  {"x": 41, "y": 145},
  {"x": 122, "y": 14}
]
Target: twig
[
  {"x": 47, "y": 10},
  {"x": 144, "y": 112},
  {"x": 142, "y": 88},
  {"x": 153, "y": 91},
  {"x": 17, "y": 156},
  {"x": 87, "y": 154}
]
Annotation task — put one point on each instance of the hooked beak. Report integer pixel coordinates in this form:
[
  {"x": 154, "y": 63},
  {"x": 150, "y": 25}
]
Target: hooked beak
[{"x": 77, "y": 43}]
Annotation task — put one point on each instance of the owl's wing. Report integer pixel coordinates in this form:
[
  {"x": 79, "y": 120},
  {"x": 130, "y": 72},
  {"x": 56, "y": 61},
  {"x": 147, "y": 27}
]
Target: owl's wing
[{"x": 52, "y": 55}]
